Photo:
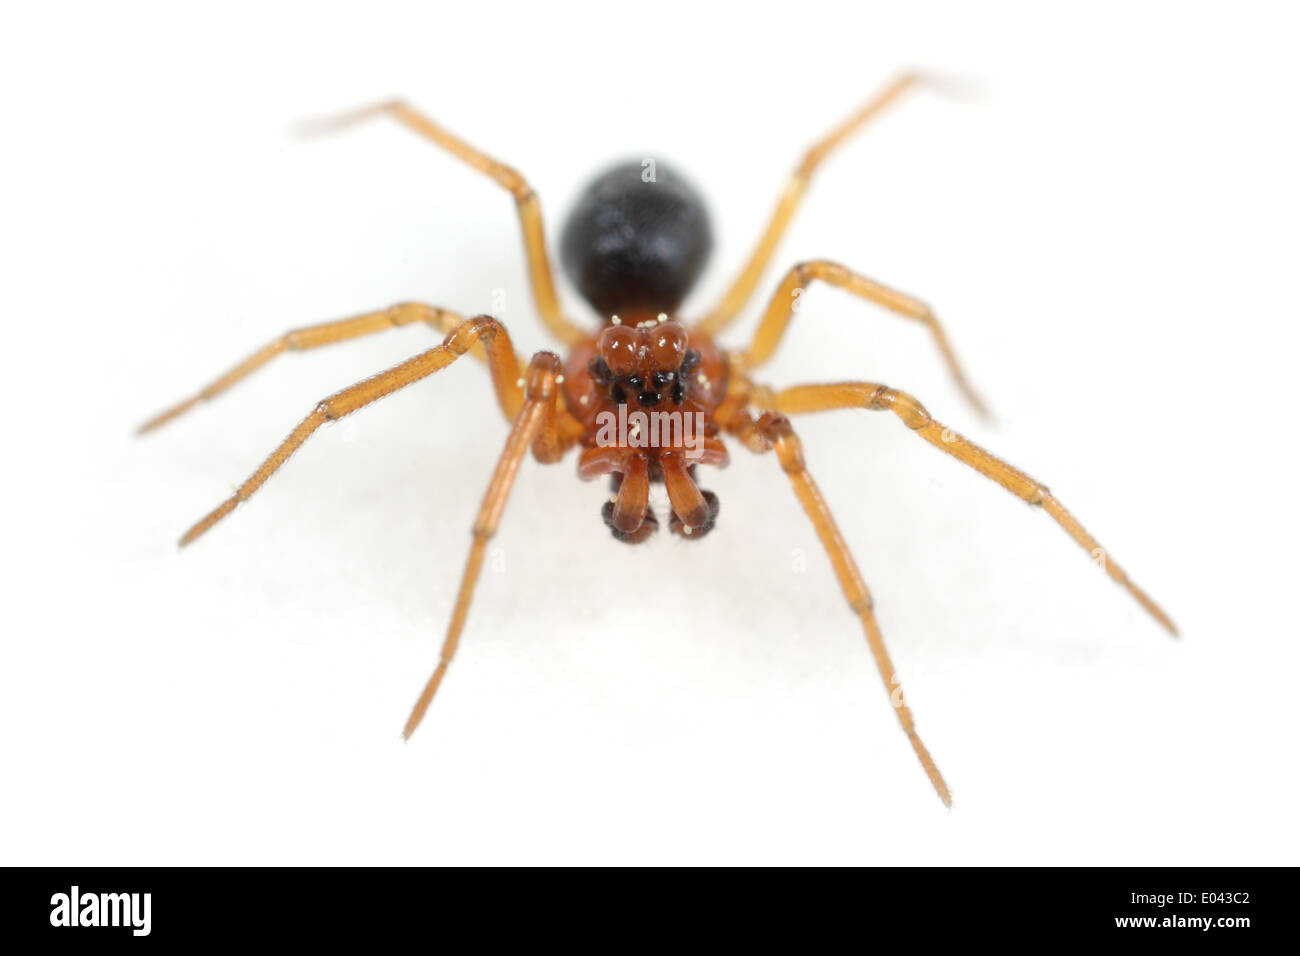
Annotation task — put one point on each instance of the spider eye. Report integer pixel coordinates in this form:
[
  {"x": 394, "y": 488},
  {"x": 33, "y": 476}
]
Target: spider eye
[
  {"x": 667, "y": 345},
  {"x": 661, "y": 379},
  {"x": 618, "y": 347}
]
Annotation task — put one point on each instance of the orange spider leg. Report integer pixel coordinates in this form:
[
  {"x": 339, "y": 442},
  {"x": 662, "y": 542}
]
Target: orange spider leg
[
  {"x": 786, "y": 302},
  {"x": 743, "y": 287},
  {"x": 314, "y": 336},
  {"x": 534, "y": 426},
  {"x": 530, "y": 212},
  {"x": 816, "y": 398},
  {"x": 774, "y": 431},
  {"x": 501, "y": 362}
]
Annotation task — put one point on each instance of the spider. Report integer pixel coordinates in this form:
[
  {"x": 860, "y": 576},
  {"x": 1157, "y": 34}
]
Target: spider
[{"x": 629, "y": 392}]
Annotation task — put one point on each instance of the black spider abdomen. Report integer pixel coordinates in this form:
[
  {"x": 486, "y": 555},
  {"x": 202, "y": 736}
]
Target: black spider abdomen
[{"x": 632, "y": 245}]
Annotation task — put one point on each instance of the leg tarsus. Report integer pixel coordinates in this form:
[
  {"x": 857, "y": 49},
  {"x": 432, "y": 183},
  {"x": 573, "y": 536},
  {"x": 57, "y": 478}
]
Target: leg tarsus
[
  {"x": 815, "y": 398},
  {"x": 526, "y": 202},
  {"x": 541, "y": 392},
  {"x": 779, "y": 435},
  {"x": 784, "y": 305},
  {"x": 311, "y": 337},
  {"x": 501, "y": 362},
  {"x": 743, "y": 287}
]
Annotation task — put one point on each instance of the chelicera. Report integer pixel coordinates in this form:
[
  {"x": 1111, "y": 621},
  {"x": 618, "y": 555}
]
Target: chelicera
[{"x": 648, "y": 397}]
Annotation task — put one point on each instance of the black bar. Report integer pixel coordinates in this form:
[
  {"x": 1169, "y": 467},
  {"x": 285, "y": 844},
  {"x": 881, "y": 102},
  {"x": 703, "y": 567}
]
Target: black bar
[{"x": 330, "y": 906}]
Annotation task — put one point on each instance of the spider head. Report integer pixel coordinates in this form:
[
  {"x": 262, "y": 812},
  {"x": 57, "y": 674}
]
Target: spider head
[{"x": 644, "y": 363}]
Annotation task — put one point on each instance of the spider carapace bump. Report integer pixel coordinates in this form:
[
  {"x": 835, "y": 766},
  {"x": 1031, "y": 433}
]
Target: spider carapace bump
[{"x": 648, "y": 397}]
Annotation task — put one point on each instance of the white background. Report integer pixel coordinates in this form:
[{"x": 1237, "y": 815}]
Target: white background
[{"x": 1107, "y": 224}]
